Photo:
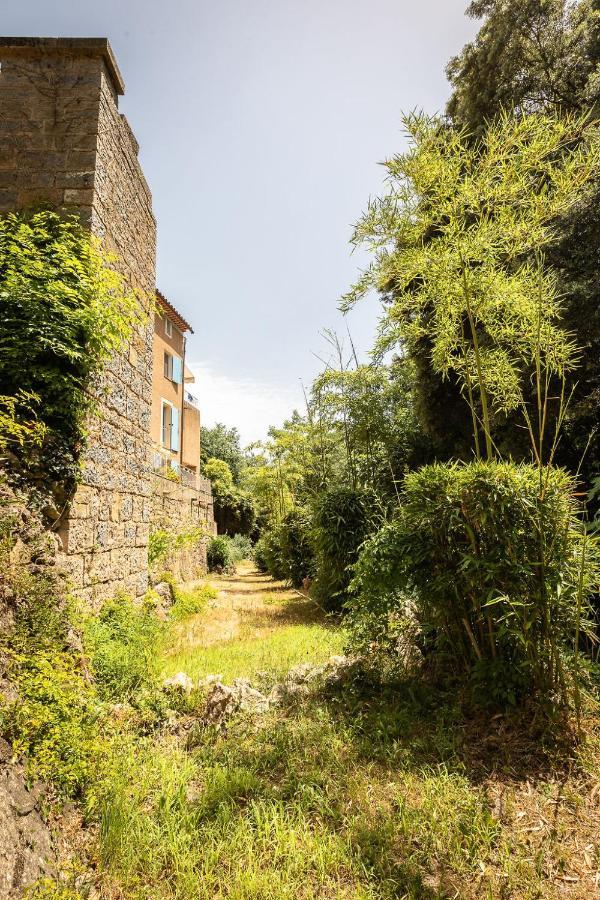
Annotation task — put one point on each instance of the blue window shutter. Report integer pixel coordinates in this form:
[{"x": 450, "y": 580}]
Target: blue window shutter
[
  {"x": 177, "y": 370},
  {"x": 174, "y": 429}
]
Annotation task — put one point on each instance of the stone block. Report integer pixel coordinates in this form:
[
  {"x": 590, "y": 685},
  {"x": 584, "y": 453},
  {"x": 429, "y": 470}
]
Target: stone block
[{"x": 79, "y": 536}]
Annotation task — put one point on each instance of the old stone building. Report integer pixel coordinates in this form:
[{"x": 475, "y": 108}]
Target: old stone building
[
  {"x": 181, "y": 496},
  {"x": 64, "y": 142}
]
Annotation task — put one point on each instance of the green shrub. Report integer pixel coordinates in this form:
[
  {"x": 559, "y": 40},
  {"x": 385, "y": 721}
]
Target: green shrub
[
  {"x": 296, "y": 546},
  {"x": 259, "y": 554},
  {"x": 223, "y": 552},
  {"x": 343, "y": 517},
  {"x": 493, "y": 569},
  {"x": 285, "y": 551},
  {"x": 241, "y": 547},
  {"x": 271, "y": 552},
  {"x": 123, "y": 643},
  {"x": 190, "y": 601},
  {"x": 218, "y": 554}
]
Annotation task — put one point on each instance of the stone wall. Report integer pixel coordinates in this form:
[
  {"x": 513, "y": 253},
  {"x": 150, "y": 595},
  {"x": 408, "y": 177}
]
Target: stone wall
[
  {"x": 176, "y": 507},
  {"x": 63, "y": 141},
  {"x": 111, "y": 512}
]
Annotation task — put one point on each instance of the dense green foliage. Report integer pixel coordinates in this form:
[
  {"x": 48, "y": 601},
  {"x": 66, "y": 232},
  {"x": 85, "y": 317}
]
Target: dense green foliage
[
  {"x": 361, "y": 430},
  {"x": 452, "y": 240},
  {"x": 220, "y": 442},
  {"x": 543, "y": 56},
  {"x": 233, "y": 507},
  {"x": 532, "y": 56},
  {"x": 218, "y": 554},
  {"x": 483, "y": 567},
  {"x": 123, "y": 641},
  {"x": 64, "y": 310},
  {"x": 285, "y": 550},
  {"x": 487, "y": 558},
  {"x": 297, "y": 547},
  {"x": 343, "y": 518}
]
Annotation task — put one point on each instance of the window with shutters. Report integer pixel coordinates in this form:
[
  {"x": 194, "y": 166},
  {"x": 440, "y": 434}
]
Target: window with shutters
[
  {"x": 170, "y": 436},
  {"x": 173, "y": 368},
  {"x": 166, "y": 424},
  {"x": 175, "y": 429}
]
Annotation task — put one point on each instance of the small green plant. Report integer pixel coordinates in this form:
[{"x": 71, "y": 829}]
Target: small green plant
[
  {"x": 163, "y": 542},
  {"x": 123, "y": 642},
  {"x": 190, "y": 601},
  {"x": 159, "y": 545}
]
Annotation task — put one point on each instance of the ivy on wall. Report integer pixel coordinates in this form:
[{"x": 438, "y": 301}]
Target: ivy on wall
[{"x": 64, "y": 311}]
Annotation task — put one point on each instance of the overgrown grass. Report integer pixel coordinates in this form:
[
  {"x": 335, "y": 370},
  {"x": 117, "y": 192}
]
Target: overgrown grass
[
  {"x": 362, "y": 791},
  {"x": 190, "y": 600},
  {"x": 269, "y": 657},
  {"x": 349, "y": 795}
]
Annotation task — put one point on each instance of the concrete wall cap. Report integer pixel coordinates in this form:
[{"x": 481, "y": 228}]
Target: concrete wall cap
[{"x": 84, "y": 46}]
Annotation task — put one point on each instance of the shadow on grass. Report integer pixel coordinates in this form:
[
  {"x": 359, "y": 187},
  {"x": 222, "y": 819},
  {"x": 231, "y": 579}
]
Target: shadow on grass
[
  {"x": 251, "y": 592},
  {"x": 419, "y": 725},
  {"x": 294, "y": 612}
]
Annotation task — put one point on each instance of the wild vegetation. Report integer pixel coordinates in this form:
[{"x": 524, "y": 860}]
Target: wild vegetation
[
  {"x": 64, "y": 311},
  {"x": 418, "y": 627}
]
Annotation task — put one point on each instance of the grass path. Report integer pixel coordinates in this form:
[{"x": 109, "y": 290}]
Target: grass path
[
  {"x": 255, "y": 627},
  {"x": 353, "y": 792}
]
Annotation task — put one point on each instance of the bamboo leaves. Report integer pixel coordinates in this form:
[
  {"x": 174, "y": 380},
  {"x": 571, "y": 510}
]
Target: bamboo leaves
[{"x": 452, "y": 240}]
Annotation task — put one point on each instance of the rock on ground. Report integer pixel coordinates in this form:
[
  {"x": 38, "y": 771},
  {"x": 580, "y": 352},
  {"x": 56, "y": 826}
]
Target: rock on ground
[
  {"x": 179, "y": 682},
  {"x": 222, "y": 700}
]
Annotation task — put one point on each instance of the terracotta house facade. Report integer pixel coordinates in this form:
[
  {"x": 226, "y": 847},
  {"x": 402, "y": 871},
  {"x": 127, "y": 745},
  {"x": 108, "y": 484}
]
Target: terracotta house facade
[{"x": 175, "y": 420}]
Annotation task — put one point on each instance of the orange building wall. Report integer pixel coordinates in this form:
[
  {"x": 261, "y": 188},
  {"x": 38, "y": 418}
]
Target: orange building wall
[
  {"x": 163, "y": 388},
  {"x": 191, "y": 437}
]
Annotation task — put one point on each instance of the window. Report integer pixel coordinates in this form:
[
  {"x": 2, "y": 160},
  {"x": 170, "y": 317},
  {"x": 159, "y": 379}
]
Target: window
[
  {"x": 170, "y": 426},
  {"x": 168, "y": 328},
  {"x": 167, "y": 421},
  {"x": 177, "y": 370},
  {"x": 173, "y": 368}
]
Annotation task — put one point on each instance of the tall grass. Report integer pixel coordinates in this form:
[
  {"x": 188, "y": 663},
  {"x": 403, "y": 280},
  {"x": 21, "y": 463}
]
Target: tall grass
[{"x": 268, "y": 657}]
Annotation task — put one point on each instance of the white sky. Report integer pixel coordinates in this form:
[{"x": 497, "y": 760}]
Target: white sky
[{"x": 261, "y": 123}]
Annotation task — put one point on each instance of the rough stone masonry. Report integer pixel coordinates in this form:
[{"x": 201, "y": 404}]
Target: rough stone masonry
[{"x": 64, "y": 142}]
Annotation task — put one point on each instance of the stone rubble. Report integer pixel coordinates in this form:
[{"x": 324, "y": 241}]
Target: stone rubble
[
  {"x": 222, "y": 700},
  {"x": 179, "y": 682}
]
